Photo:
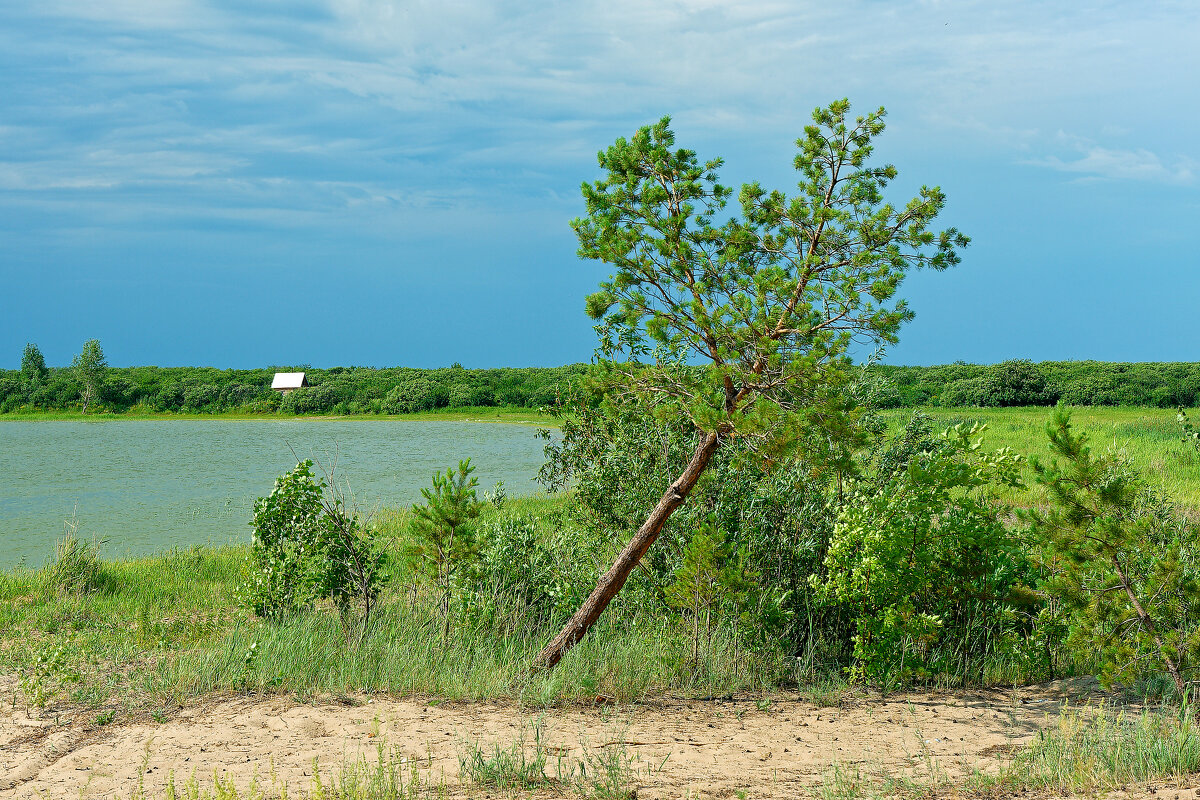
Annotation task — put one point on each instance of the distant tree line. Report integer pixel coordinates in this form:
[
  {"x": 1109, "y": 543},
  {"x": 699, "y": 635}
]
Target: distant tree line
[
  {"x": 400, "y": 390},
  {"x": 207, "y": 390},
  {"x": 1025, "y": 383}
]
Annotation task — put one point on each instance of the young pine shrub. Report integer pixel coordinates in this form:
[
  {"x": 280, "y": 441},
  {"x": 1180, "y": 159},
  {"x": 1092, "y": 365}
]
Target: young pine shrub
[
  {"x": 712, "y": 578},
  {"x": 446, "y": 542},
  {"x": 1125, "y": 560}
]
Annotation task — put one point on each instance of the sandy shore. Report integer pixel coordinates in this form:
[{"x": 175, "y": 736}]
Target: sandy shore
[{"x": 675, "y": 748}]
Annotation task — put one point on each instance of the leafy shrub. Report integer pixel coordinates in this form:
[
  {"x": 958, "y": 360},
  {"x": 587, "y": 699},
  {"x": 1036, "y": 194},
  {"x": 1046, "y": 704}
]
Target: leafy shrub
[
  {"x": 965, "y": 392},
  {"x": 287, "y": 524},
  {"x": 517, "y": 567},
  {"x": 416, "y": 394},
  {"x": 922, "y": 558},
  {"x": 199, "y": 398},
  {"x": 462, "y": 395},
  {"x": 776, "y": 509},
  {"x": 309, "y": 545},
  {"x": 1015, "y": 383}
]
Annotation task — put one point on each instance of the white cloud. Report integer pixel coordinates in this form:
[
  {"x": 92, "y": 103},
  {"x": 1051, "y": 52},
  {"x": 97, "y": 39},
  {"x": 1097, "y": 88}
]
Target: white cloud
[{"x": 1094, "y": 161}]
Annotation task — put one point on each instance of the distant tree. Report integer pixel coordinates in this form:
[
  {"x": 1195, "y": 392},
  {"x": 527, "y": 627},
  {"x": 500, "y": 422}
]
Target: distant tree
[
  {"x": 90, "y": 368},
  {"x": 747, "y": 324},
  {"x": 33, "y": 365},
  {"x": 1018, "y": 382}
]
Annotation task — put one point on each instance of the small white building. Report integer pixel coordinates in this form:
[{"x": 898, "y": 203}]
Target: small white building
[{"x": 288, "y": 382}]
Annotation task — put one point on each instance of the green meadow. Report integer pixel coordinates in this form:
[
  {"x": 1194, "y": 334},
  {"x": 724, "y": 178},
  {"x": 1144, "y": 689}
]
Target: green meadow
[{"x": 1151, "y": 438}]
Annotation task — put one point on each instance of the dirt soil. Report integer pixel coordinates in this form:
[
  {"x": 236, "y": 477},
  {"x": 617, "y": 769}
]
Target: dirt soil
[{"x": 676, "y": 748}]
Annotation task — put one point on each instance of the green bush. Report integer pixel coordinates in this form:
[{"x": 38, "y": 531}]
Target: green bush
[
  {"x": 777, "y": 510},
  {"x": 416, "y": 394},
  {"x": 309, "y": 545},
  {"x": 922, "y": 559},
  {"x": 287, "y": 525},
  {"x": 965, "y": 392}
]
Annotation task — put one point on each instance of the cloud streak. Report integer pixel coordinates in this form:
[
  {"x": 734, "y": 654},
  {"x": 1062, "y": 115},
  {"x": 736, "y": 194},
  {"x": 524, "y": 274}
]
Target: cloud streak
[{"x": 1127, "y": 165}]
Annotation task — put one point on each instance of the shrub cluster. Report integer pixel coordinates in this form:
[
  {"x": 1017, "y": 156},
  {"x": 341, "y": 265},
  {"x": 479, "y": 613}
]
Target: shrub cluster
[
  {"x": 308, "y": 545},
  {"x": 880, "y": 555},
  {"x": 896, "y": 564}
]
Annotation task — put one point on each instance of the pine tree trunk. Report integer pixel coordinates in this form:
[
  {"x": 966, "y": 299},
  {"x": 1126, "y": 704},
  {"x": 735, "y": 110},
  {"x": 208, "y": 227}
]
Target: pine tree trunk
[
  {"x": 612, "y": 581},
  {"x": 1148, "y": 625}
]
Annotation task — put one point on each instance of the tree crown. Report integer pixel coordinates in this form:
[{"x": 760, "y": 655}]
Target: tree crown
[
  {"x": 33, "y": 363},
  {"x": 753, "y": 316}
]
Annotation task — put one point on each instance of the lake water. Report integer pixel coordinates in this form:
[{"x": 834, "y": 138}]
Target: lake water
[{"x": 150, "y": 485}]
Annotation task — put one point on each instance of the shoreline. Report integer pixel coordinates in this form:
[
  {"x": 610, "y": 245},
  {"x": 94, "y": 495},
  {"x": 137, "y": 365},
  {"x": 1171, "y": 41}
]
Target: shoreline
[{"x": 478, "y": 414}]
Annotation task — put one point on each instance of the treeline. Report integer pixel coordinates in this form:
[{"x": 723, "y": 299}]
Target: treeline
[
  {"x": 340, "y": 390},
  {"x": 1025, "y": 383},
  {"x": 399, "y": 390}
]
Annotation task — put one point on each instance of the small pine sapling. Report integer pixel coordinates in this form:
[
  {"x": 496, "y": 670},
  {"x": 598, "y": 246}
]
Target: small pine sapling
[
  {"x": 1125, "y": 558},
  {"x": 446, "y": 541},
  {"x": 712, "y": 575}
]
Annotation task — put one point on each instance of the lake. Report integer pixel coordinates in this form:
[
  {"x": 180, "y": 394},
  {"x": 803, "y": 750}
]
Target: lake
[{"x": 150, "y": 485}]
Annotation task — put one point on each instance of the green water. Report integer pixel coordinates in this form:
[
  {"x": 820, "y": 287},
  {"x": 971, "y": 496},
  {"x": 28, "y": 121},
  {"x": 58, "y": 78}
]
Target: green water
[{"x": 150, "y": 485}]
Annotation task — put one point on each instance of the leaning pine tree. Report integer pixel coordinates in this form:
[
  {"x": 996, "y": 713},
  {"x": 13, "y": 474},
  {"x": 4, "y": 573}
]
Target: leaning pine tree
[{"x": 747, "y": 323}]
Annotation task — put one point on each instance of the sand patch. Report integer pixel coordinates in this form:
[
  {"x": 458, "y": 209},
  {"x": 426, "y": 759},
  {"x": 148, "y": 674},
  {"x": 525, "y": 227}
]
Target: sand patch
[{"x": 675, "y": 748}]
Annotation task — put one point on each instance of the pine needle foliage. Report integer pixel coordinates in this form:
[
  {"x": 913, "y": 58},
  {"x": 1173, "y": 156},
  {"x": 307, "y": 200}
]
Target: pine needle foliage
[
  {"x": 712, "y": 575},
  {"x": 1126, "y": 561},
  {"x": 446, "y": 542}
]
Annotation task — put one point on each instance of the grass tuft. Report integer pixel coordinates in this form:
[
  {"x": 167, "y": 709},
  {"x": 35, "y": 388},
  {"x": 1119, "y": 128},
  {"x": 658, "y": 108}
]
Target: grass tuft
[
  {"x": 76, "y": 566},
  {"x": 1097, "y": 749}
]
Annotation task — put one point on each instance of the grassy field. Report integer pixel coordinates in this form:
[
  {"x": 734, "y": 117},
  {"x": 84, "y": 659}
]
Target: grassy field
[
  {"x": 159, "y": 630},
  {"x": 1149, "y": 437}
]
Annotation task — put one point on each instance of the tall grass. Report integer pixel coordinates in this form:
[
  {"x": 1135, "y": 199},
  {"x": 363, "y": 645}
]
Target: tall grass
[
  {"x": 404, "y": 652},
  {"x": 160, "y": 630},
  {"x": 76, "y": 564},
  {"x": 1094, "y": 749}
]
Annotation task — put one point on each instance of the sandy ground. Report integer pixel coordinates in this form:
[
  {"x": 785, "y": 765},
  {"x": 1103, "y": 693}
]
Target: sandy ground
[{"x": 676, "y": 748}]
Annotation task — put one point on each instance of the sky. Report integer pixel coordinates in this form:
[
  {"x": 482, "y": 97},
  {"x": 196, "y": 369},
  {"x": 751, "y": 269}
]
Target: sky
[{"x": 245, "y": 183}]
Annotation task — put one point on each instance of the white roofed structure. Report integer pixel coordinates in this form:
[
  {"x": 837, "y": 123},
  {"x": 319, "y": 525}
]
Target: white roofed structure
[{"x": 288, "y": 381}]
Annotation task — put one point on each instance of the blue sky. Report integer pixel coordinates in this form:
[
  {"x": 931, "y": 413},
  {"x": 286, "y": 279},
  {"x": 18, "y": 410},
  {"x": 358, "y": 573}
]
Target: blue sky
[{"x": 255, "y": 182}]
